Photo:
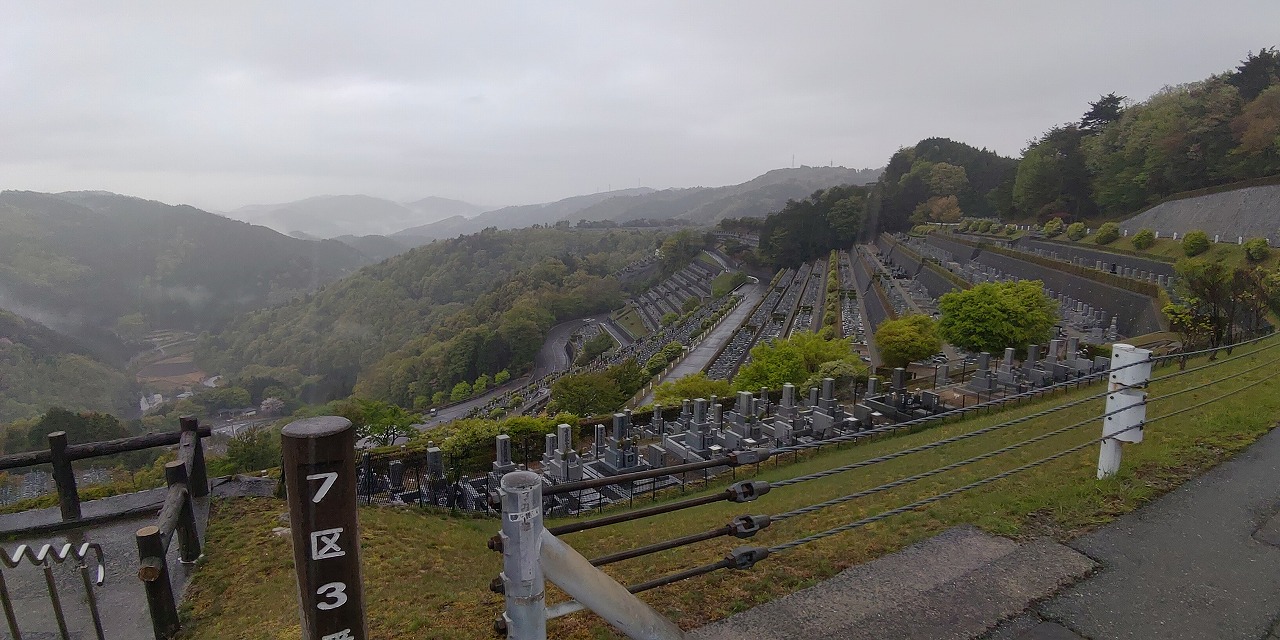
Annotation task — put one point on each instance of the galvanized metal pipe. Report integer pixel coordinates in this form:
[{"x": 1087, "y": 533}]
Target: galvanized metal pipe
[
  {"x": 522, "y": 534},
  {"x": 590, "y": 586}
]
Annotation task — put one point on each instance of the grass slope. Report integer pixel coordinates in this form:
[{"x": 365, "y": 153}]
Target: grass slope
[{"x": 427, "y": 576}]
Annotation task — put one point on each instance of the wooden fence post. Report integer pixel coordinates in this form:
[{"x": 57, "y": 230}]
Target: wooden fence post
[
  {"x": 198, "y": 477},
  {"x": 175, "y": 473},
  {"x": 320, "y": 477},
  {"x": 154, "y": 573},
  {"x": 64, "y": 476}
]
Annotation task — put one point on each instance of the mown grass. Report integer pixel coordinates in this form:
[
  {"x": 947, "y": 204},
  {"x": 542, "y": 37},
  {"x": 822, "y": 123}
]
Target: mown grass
[
  {"x": 630, "y": 320},
  {"x": 427, "y": 576},
  {"x": 1167, "y": 249}
]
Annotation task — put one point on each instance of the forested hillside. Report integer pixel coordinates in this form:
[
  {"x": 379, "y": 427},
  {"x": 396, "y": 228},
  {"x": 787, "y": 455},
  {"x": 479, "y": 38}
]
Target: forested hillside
[
  {"x": 40, "y": 368},
  {"x": 1118, "y": 158},
  {"x": 87, "y": 262},
  {"x": 419, "y": 323},
  {"x": 940, "y": 180},
  {"x": 811, "y": 227}
]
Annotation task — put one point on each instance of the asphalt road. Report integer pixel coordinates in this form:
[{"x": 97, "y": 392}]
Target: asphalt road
[
  {"x": 1201, "y": 562},
  {"x": 702, "y": 354},
  {"x": 552, "y": 356}
]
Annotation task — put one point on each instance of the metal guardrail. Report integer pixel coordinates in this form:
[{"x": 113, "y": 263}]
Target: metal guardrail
[{"x": 58, "y": 555}]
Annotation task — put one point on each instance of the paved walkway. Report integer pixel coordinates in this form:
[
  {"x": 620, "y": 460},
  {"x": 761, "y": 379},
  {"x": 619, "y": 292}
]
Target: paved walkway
[
  {"x": 1201, "y": 562},
  {"x": 953, "y": 586},
  {"x": 121, "y": 600}
]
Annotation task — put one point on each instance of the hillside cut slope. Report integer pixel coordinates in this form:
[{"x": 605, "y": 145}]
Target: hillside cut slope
[{"x": 1252, "y": 212}]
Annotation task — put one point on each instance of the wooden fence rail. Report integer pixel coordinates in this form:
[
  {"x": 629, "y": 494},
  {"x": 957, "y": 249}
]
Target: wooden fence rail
[{"x": 61, "y": 454}]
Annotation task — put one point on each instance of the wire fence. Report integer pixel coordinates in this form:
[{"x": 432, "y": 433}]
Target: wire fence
[{"x": 746, "y": 526}]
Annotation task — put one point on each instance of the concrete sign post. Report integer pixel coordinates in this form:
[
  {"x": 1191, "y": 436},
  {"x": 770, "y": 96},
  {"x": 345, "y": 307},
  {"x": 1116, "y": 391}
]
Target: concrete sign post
[{"x": 320, "y": 477}]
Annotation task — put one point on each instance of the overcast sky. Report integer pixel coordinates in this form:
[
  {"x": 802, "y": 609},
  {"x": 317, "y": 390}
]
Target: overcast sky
[{"x": 220, "y": 104}]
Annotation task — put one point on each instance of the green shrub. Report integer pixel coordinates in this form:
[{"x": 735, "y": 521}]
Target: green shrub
[
  {"x": 1076, "y": 231},
  {"x": 1053, "y": 227},
  {"x": 1195, "y": 243},
  {"x": 984, "y": 226},
  {"x": 1256, "y": 249},
  {"x": 1109, "y": 232},
  {"x": 1010, "y": 229},
  {"x": 1143, "y": 239},
  {"x": 964, "y": 226}
]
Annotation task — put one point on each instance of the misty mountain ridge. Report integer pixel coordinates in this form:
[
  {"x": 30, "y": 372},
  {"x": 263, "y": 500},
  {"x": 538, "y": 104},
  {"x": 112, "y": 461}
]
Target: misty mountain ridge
[
  {"x": 351, "y": 215},
  {"x": 754, "y": 198},
  {"x": 80, "y": 261}
]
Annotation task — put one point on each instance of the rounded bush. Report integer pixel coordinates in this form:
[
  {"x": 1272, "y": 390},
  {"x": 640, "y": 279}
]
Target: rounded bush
[
  {"x": 1010, "y": 229},
  {"x": 1256, "y": 249},
  {"x": 1195, "y": 243},
  {"x": 984, "y": 226},
  {"x": 1076, "y": 231},
  {"x": 1053, "y": 227},
  {"x": 1109, "y": 232},
  {"x": 1144, "y": 239}
]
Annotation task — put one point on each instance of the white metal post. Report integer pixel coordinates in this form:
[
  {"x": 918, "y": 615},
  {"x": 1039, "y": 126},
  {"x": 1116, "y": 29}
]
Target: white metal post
[
  {"x": 1126, "y": 404},
  {"x": 592, "y": 587},
  {"x": 523, "y": 585}
]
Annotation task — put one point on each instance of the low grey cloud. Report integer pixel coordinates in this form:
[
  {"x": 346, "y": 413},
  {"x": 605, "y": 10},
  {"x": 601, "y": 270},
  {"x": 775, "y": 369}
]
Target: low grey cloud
[{"x": 224, "y": 104}]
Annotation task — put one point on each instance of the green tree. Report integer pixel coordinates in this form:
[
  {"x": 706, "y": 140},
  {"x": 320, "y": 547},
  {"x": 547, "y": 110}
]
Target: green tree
[
  {"x": 1190, "y": 323},
  {"x": 907, "y": 339},
  {"x": 379, "y": 421},
  {"x": 1256, "y": 73},
  {"x": 792, "y": 360},
  {"x": 947, "y": 179},
  {"x": 501, "y": 377},
  {"x": 481, "y": 384},
  {"x": 1076, "y": 230},
  {"x": 461, "y": 391},
  {"x": 1109, "y": 232},
  {"x": 1144, "y": 239},
  {"x": 943, "y": 209},
  {"x": 438, "y": 398},
  {"x": 669, "y": 318},
  {"x": 992, "y": 316},
  {"x": 1102, "y": 113},
  {"x": 1257, "y": 249},
  {"x": 1195, "y": 243},
  {"x": 251, "y": 449},
  {"x": 689, "y": 387},
  {"x": 89, "y": 426},
  {"x": 586, "y": 394}
]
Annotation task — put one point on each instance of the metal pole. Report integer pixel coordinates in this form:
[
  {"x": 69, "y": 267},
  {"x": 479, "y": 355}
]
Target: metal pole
[
  {"x": 524, "y": 588},
  {"x": 320, "y": 473}
]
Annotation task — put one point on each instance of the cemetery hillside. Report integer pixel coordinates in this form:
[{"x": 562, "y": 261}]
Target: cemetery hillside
[{"x": 923, "y": 400}]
